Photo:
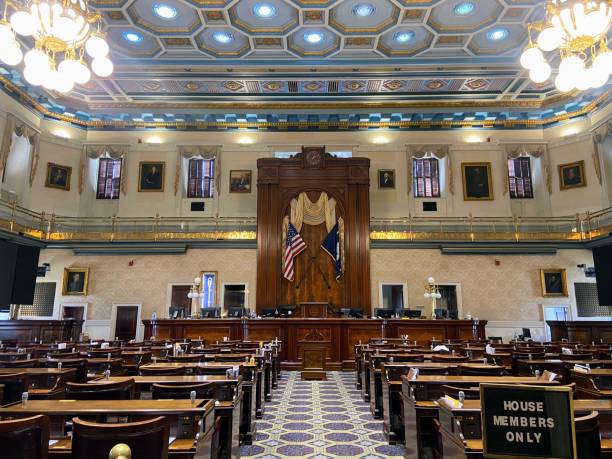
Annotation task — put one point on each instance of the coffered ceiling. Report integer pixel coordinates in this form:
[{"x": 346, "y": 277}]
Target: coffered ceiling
[{"x": 190, "y": 56}]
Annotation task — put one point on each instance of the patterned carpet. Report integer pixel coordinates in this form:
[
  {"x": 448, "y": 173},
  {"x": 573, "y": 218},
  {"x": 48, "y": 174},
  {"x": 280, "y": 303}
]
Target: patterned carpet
[{"x": 319, "y": 420}]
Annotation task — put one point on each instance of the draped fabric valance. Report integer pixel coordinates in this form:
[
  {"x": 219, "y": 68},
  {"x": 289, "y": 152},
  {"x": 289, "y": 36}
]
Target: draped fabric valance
[
  {"x": 536, "y": 150},
  {"x": 198, "y": 151},
  {"x": 104, "y": 151},
  {"x": 439, "y": 151},
  {"x": 599, "y": 137},
  {"x": 20, "y": 129}
]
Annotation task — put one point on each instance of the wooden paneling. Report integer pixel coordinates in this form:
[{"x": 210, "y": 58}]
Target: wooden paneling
[
  {"x": 337, "y": 336},
  {"x": 313, "y": 172},
  {"x": 45, "y": 330},
  {"x": 581, "y": 331}
]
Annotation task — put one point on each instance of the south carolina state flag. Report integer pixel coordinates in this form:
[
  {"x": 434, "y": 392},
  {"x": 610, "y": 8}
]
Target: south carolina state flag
[{"x": 331, "y": 245}]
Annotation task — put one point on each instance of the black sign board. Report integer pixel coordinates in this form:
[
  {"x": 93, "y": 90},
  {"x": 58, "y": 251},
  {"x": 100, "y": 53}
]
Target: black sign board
[{"x": 527, "y": 421}]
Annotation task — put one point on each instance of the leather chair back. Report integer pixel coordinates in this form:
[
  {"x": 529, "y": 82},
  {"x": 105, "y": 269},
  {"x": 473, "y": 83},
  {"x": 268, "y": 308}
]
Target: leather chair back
[
  {"x": 25, "y": 438},
  {"x": 121, "y": 390}
]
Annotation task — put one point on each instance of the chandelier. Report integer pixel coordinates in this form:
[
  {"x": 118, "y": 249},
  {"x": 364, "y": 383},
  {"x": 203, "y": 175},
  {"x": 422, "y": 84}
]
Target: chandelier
[
  {"x": 576, "y": 30},
  {"x": 63, "y": 33}
]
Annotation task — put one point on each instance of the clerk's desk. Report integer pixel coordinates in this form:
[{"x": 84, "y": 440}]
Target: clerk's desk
[
  {"x": 229, "y": 408},
  {"x": 187, "y": 420},
  {"x": 461, "y": 429},
  {"x": 420, "y": 410}
]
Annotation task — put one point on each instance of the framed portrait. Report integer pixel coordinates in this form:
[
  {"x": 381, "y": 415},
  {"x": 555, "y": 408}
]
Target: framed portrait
[
  {"x": 209, "y": 289},
  {"x": 151, "y": 176},
  {"x": 240, "y": 181},
  {"x": 554, "y": 282},
  {"x": 571, "y": 175},
  {"x": 58, "y": 176},
  {"x": 76, "y": 281},
  {"x": 386, "y": 179},
  {"x": 477, "y": 183}
]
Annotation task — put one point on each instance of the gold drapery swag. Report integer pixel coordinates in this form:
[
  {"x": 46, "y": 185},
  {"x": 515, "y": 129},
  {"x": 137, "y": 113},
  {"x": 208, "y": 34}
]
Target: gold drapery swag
[
  {"x": 20, "y": 129},
  {"x": 599, "y": 137},
  {"x": 536, "y": 150},
  {"x": 97, "y": 151},
  {"x": 198, "y": 151},
  {"x": 303, "y": 210},
  {"x": 422, "y": 151}
]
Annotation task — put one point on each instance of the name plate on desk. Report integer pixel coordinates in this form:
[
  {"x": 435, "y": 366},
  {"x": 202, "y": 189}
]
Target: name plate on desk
[{"x": 527, "y": 421}]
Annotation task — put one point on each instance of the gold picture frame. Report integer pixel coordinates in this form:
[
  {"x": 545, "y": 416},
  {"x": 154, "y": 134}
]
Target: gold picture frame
[
  {"x": 240, "y": 181},
  {"x": 553, "y": 282},
  {"x": 479, "y": 188},
  {"x": 386, "y": 179},
  {"x": 571, "y": 175},
  {"x": 73, "y": 285},
  {"x": 58, "y": 176},
  {"x": 150, "y": 179},
  {"x": 209, "y": 299}
]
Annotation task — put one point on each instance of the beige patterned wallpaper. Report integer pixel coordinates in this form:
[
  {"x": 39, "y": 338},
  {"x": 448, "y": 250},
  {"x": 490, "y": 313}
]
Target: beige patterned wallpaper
[{"x": 508, "y": 292}]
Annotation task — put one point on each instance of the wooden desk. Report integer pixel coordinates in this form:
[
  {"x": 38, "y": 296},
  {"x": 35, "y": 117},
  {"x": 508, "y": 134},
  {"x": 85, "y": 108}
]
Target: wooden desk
[
  {"x": 45, "y": 383},
  {"x": 596, "y": 384},
  {"x": 581, "y": 331},
  {"x": 560, "y": 367},
  {"x": 186, "y": 419},
  {"x": 41, "y": 330},
  {"x": 337, "y": 335}
]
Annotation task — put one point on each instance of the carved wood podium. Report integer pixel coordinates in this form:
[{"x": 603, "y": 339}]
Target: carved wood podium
[
  {"x": 313, "y": 362},
  {"x": 313, "y": 310},
  {"x": 347, "y": 180}
]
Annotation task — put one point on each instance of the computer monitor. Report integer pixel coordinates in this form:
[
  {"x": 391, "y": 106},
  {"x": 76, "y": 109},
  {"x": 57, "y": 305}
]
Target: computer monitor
[
  {"x": 412, "y": 313},
  {"x": 440, "y": 313},
  {"x": 286, "y": 310},
  {"x": 383, "y": 313},
  {"x": 356, "y": 313},
  {"x": 268, "y": 312},
  {"x": 235, "y": 311},
  {"x": 526, "y": 334},
  {"x": 209, "y": 312},
  {"x": 176, "y": 312}
]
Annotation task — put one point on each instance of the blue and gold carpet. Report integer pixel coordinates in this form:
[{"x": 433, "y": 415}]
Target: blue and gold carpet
[{"x": 319, "y": 420}]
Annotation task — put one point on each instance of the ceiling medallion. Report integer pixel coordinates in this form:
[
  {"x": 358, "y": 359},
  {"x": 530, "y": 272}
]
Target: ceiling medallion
[
  {"x": 132, "y": 37},
  {"x": 393, "y": 85},
  {"x": 264, "y": 10},
  {"x": 233, "y": 86},
  {"x": 498, "y": 34},
  {"x": 151, "y": 85},
  {"x": 476, "y": 84},
  {"x": 63, "y": 32},
  {"x": 464, "y": 8},
  {"x": 223, "y": 37},
  {"x": 353, "y": 85},
  {"x": 165, "y": 11},
  {"x": 272, "y": 85},
  {"x": 434, "y": 85},
  {"x": 403, "y": 37},
  {"x": 313, "y": 86},
  {"x": 192, "y": 86},
  {"x": 313, "y": 37},
  {"x": 363, "y": 9},
  {"x": 577, "y": 30}
]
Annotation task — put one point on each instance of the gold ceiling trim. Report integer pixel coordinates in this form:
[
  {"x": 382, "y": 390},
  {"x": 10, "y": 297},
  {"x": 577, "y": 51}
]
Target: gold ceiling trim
[{"x": 344, "y": 124}]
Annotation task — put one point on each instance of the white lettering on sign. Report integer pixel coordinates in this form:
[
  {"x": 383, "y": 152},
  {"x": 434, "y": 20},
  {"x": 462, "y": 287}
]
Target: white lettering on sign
[
  {"x": 534, "y": 421},
  {"x": 523, "y": 437}
]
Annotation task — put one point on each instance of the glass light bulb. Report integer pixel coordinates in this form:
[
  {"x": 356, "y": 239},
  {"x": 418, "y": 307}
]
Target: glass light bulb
[
  {"x": 431, "y": 280},
  {"x": 564, "y": 83},
  {"x": 596, "y": 77},
  {"x": 96, "y": 46},
  {"x": 65, "y": 29},
  {"x": 82, "y": 73},
  {"x": 66, "y": 68},
  {"x": 51, "y": 80},
  {"x": 37, "y": 59},
  {"x": 6, "y": 33},
  {"x": 64, "y": 83},
  {"x": 11, "y": 55},
  {"x": 541, "y": 73},
  {"x": 532, "y": 57},
  {"x": 572, "y": 66},
  {"x": 23, "y": 23},
  {"x": 603, "y": 62},
  {"x": 425, "y": 295},
  {"x": 550, "y": 38},
  {"x": 102, "y": 66},
  {"x": 596, "y": 23},
  {"x": 33, "y": 76}
]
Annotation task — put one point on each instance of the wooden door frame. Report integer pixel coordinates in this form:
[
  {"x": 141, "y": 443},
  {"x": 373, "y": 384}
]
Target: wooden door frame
[
  {"x": 74, "y": 305},
  {"x": 457, "y": 286},
  {"x": 222, "y": 294},
  {"x": 169, "y": 295},
  {"x": 139, "y": 326}
]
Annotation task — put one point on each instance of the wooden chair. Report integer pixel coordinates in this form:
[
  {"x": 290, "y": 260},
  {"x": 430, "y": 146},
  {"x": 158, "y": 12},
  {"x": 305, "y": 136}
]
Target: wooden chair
[
  {"x": 576, "y": 356},
  {"x": 63, "y": 355},
  {"x": 588, "y": 444},
  {"x": 480, "y": 370},
  {"x": 405, "y": 358},
  {"x": 14, "y": 384},
  {"x": 32, "y": 363},
  {"x": 230, "y": 357},
  {"x": 447, "y": 358},
  {"x": 79, "y": 364},
  {"x": 185, "y": 358},
  {"x": 103, "y": 353},
  {"x": 183, "y": 391},
  {"x": 496, "y": 340},
  {"x": 122, "y": 390},
  {"x": 147, "y": 439},
  {"x": 25, "y": 438},
  {"x": 471, "y": 393},
  {"x": 162, "y": 371}
]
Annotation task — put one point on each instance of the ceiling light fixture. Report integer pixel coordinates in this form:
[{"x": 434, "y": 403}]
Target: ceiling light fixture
[
  {"x": 264, "y": 10},
  {"x": 165, "y": 11},
  {"x": 464, "y": 8},
  {"x": 223, "y": 37},
  {"x": 313, "y": 37},
  {"x": 577, "y": 30},
  {"x": 132, "y": 37},
  {"x": 498, "y": 34},
  {"x": 403, "y": 37},
  {"x": 63, "y": 33},
  {"x": 363, "y": 9}
]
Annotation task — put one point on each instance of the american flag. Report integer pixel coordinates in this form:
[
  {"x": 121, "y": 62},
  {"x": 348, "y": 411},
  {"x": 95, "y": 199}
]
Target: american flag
[{"x": 295, "y": 245}]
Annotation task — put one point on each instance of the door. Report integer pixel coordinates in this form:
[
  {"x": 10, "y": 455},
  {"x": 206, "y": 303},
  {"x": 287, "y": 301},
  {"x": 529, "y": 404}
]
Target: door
[
  {"x": 180, "y": 302},
  {"x": 126, "y": 322}
]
